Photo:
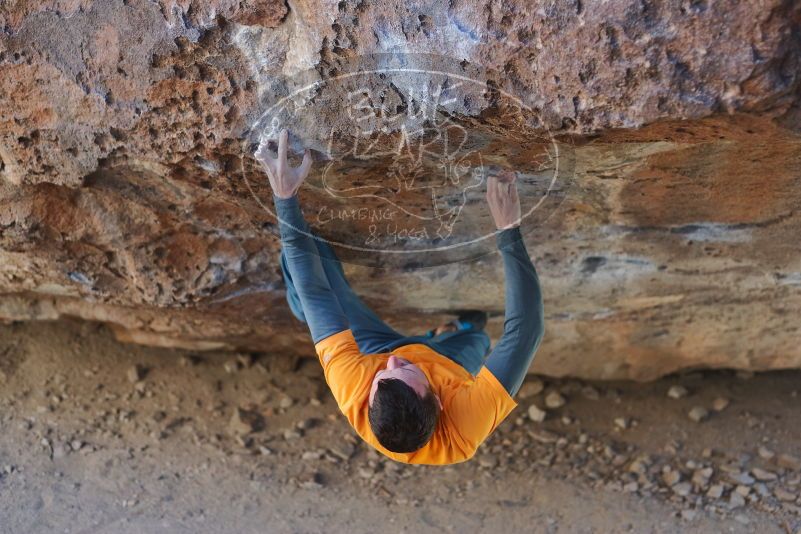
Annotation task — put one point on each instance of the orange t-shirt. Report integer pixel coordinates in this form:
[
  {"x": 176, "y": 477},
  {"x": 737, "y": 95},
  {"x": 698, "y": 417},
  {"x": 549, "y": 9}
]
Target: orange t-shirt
[{"x": 472, "y": 407}]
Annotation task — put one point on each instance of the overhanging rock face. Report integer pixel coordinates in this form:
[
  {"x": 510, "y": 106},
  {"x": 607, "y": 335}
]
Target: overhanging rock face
[{"x": 658, "y": 146}]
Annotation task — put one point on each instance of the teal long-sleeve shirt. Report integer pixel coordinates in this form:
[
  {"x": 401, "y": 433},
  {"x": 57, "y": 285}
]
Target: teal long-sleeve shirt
[{"x": 523, "y": 328}]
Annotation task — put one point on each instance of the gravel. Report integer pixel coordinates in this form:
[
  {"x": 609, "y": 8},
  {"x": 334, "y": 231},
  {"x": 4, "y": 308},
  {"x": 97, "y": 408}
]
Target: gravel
[
  {"x": 554, "y": 400},
  {"x": 698, "y": 414},
  {"x": 244, "y": 421},
  {"x": 136, "y": 373},
  {"x": 720, "y": 404},
  {"x": 677, "y": 392},
  {"x": 536, "y": 414},
  {"x": 530, "y": 388},
  {"x": 787, "y": 461}
]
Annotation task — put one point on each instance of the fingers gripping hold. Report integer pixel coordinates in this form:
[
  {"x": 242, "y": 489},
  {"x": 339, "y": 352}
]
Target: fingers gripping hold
[
  {"x": 284, "y": 179},
  {"x": 503, "y": 199}
]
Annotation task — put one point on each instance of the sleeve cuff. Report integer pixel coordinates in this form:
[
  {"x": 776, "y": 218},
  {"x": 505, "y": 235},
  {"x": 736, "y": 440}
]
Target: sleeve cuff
[
  {"x": 284, "y": 204},
  {"x": 287, "y": 211},
  {"x": 507, "y": 237}
]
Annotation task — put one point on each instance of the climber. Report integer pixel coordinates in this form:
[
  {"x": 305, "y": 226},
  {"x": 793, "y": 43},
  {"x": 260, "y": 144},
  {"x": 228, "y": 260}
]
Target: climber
[{"x": 426, "y": 399}]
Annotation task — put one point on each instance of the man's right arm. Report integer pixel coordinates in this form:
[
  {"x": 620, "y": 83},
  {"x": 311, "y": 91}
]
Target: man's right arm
[{"x": 523, "y": 325}]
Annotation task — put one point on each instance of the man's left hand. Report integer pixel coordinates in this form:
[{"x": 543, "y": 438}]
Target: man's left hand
[{"x": 284, "y": 179}]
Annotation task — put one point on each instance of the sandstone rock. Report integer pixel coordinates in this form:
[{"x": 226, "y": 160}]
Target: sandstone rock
[
  {"x": 246, "y": 421},
  {"x": 554, "y": 400},
  {"x": 784, "y": 495},
  {"x": 232, "y": 366},
  {"x": 291, "y": 434},
  {"x": 682, "y": 489},
  {"x": 530, "y": 388},
  {"x": 640, "y": 465},
  {"x": 123, "y": 151},
  {"x": 245, "y": 360},
  {"x": 671, "y": 478},
  {"x": 536, "y": 414},
  {"x": 488, "y": 461},
  {"x": 736, "y": 500},
  {"x": 59, "y": 451},
  {"x": 314, "y": 480},
  {"x": 698, "y": 413},
  {"x": 189, "y": 361},
  {"x": 677, "y": 392},
  {"x": 765, "y": 453},
  {"x": 135, "y": 373},
  {"x": 743, "y": 479},
  {"x": 701, "y": 477},
  {"x": 311, "y": 455},
  {"x": 788, "y": 461},
  {"x": 720, "y": 404},
  {"x": 715, "y": 491},
  {"x": 763, "y": 475}
]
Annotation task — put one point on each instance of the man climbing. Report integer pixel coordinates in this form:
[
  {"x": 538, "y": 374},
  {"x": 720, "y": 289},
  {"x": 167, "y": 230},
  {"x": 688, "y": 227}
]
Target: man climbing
[{"x": 429, "y": 399}]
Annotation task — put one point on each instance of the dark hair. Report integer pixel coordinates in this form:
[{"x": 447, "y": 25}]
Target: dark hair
[{"x": 401, "y": 420}]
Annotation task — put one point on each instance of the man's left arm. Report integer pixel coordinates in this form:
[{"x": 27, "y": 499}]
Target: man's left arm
[{"x": 321, "y": 308}]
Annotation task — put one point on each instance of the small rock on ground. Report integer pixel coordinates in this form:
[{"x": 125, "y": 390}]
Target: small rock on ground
[
  {"x": 720, "y": 404},
  {"x": 245, "y": 421},
  {"x": 677, "y": 392},
  {"x": 787, "y": 461},
  {"x": 531, "y": 388},
  {"x": 554, "y": 400},
  {"x": 698, "y": 413},
  {"x": 536, "y": 414},
  {"x": 136, "y": 373}
]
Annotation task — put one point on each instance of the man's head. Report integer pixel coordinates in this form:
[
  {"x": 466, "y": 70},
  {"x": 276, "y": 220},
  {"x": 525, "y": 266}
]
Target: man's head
[{"x": 403, "y": 411}]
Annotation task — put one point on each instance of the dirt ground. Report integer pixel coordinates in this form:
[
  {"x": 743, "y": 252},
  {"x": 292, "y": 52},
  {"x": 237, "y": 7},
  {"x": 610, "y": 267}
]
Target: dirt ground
[{"x": 97, "y": 437}]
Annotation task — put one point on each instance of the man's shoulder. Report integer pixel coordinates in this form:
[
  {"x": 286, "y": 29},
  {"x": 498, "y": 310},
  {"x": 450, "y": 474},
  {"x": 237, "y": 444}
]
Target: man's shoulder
[{"x": 339, "y": 343}]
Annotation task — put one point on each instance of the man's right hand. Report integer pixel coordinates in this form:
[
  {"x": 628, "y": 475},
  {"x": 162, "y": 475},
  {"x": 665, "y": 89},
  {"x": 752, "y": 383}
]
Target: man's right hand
[
  {"x": 284, "y": 179},
  {"x": 504, "y": 203}
]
